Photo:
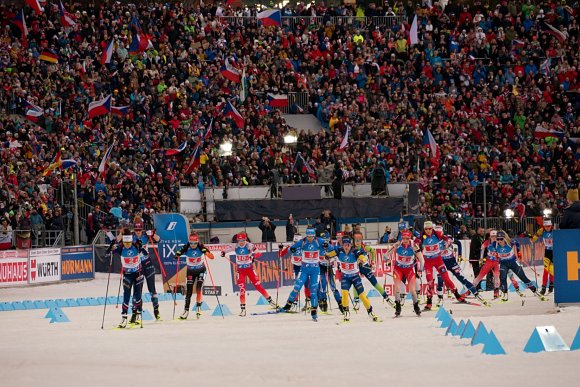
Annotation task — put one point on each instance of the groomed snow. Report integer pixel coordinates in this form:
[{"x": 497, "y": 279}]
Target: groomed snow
[{"x": 275, "y": 350}]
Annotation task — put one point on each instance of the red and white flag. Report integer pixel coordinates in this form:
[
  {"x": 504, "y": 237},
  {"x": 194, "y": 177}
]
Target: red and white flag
[
  {"x": 106, "y": 156},
  {"x": 107, "y": 53},
  {"x": 35, "y": 4},
  {"x": 344, "y": 143}
]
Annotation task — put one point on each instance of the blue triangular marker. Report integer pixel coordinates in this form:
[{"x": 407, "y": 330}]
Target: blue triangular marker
[
  {"x": 225, "y": 310},
  {"x": 373, "y": 293},
  {"x": 59, "y": 318},
  {"x": 179, "y": 296},
  {"x": 82, "y": 301},
  {"x": 52, "y": 312},
  {"x": 262, "y": 301},
  {"x": 71, "y": 302},
  {"x": 61, "y": 302},
  {"x": 441, "y": 309},
  {"x": 460, "y": 328},
  {"x": 40, "y": 304},
  {"x": 147, "y": 297},
  {"x": 480, "y": 335},
  {"x": 7, "y": 306},
  {"x": 492, "y": 345},
  {"x": 146, "y": 315},
  {"x": 50, "y": 303},
  {"x": 28, "y": 304},
  {"x": 469, "y": 331},
  {"x": 17, "y": 305},
  {"x": 445, "y": 320},
  {"x": 534, "y": 343},
  {"x": 576, "y": 342},
  {"x": 205, "y": 306},
  {"x": 444, "y": 313},
  {"x": 451, "y": 328}
]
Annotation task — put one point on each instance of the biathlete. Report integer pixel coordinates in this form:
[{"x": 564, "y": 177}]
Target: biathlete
[
  {"x": 406, "y": 255},
  {"x": 546, "y": 235},
  {"x": 245, "y": 254},
  {"x": 296, "y": 259},
  {"x": 194, "y": 259},
  {"x": 327, "y": 277}
]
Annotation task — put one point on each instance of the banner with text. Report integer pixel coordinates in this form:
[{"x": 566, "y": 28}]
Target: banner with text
[
  {"x": 77, "y": 263},
  {"x": 44, "y": 265},
  {"x": 566, "y": 266},
  {"x": 173, "y": 229},
  {"x": 13, "y": 267}
]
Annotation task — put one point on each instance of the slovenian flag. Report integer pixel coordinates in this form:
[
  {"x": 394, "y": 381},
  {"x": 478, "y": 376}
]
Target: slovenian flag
[
  {"x": 120, "y": 110},
  {"x": 48, "y": 56},
  {"x": 35, "y": 4},
  {"x": 66, "y": 19},
  {"x": 21, "y": 23},
  {"x": 100, "y": 107},
  {"x": 195, "y": 160},
  {"x": 230, "y": 72},
  {"x": 270, "y": 17},
  {"x": 231, "y": 111},
  {"x": 103, "y": 164},
  {"x": 278, "y": 100},
  {"x": 176, "y": 151},
  {"x": 541, "y": 132},
  {"x": 107, "y": 53}
]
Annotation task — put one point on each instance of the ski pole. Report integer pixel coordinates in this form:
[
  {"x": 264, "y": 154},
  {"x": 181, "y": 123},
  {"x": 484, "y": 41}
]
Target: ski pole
[
  {"x": 163, "y": 272},
  {"x": 279, "y": 276},
  {"x": 213, "y": 285},
  {"x": 176, "y": 285},
  {"x": 107, "y": 291},
  {"x": 119, "y": 290}
]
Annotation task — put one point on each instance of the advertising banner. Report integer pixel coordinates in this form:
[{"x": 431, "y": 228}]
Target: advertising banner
[
  {"x": 566, "y": 266},
  {"x": 44, "y": 265},
  {"x": 173, "y": 229},
  {"x": 77, "y": 263},
  {"x": 13, "y": 267}
]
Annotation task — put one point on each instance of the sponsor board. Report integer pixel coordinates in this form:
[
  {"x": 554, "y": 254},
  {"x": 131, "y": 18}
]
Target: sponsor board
[
  {"x": 13, "y": 267},
  {"x": 566, "y": 266},
  {"x": 44, "y": 265},
  {"x": 211, "y": 291},
  {"x": 77, "y": 263}
]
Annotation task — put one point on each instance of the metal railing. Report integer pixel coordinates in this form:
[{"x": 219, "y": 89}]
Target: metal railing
[
  {"x": 35, "y": 238},
  {"x": 514, "y": 226},
  {"x": 307, "y": 21}
]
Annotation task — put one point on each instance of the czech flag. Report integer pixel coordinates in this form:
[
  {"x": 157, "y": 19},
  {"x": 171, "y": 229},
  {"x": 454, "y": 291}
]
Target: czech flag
[
  {"x": 195, "y": 160},
  {"x": 30, "y": 105},
  {"x": 139, "y": 44},
  {"x": 21, "y": 23},
  {"x": 543, "y": 133},
  {"x": 231, "y": 111},
  {"x": 270, "y": 17},
  {"x": 178, "y": 150},
  {"x": 120, "y": 110},
  {"x": 66, "y": 19},
  {"x": 207, "y": 134},
  {"x": 48, "y": 56},
  {"x": 100, "y": 107},
  {"x": 107, "y": 53},
  {"x": 278, "y": 100},
  {"x": 103, "y": 164},
  {"x": 429, "y": 141},
  {"x": 230, "y": 72},
  {"x": 35, "y": 4}
]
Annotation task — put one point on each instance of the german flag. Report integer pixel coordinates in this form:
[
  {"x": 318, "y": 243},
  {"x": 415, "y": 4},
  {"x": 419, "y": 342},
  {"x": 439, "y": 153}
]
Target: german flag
[{"x": 48, "y": 56}]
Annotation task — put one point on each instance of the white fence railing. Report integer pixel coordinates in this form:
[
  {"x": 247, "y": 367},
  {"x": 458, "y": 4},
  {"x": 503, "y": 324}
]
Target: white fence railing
[{"x": 293, "y": 21}]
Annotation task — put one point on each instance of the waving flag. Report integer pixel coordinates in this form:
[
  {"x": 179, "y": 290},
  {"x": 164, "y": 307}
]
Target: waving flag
[
  {"x": 195, "y": 160},
  {"x": 429, "y": 141},
  {"x": 131, "y": 174},
  {"x": 48, "y": 56},
  {"x": 231, "y": 111},
  {"x": 120, "y": 110},
  {"x": 100, "y": 107},
  {"x": 107, "y": 53},
  {"x": 230, "y": 72},
  {"x": 33, "y": 115},
  {"x": 53, "y": 165},
  {"x": 243, "y": 89},
  {"x": 550, "y": 29},
  {"x": 35, "y": 4},
  {"x": 66, "y": 19},
  {"x": 103, "y": 164},
  {"x": 207, "y": 134},
  {"x": 545, "y": 67},
  {"x": 140, "y": 43},
  {"x": 413, "y": 35},
  {"x": 541, "y": 132},
  {"x": 20, "y": 22},
  {"x": 68, "y": 163},
  {"x": 278, "y": 100},
  {"x": 344, "y": 142},
  {"x": 270, "y": 17},
  {"x": 178, "y": 150}
]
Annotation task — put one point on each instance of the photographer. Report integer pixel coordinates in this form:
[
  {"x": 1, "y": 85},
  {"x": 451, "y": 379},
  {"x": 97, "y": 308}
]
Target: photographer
[
  {"x": 291, "y": 229},
  {"x": 267, "y": 228}
]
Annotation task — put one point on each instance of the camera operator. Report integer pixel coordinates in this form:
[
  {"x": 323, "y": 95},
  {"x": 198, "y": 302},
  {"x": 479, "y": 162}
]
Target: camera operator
[{"x": 267, "y": 228}]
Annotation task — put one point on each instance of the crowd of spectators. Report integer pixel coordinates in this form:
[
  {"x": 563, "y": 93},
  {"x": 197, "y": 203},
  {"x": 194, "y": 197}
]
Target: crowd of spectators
[{"x": 485, "y": 80}]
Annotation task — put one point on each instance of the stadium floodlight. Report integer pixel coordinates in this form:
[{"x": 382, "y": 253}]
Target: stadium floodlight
[
  {"x": 226, "y": 148},
  {"x": 290, "y": 138},
  {"x": 509, "y": 213},
  {"x": 547, "y": 212}
]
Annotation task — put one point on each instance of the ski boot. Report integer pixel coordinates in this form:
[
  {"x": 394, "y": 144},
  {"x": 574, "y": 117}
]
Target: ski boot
[
  {"x": 403, "y": 297},
  {"x": 341, "y": 308},
  {"x": 543, "y": 291},
  {"x": 481, "y": 299},
  {"x": 551, "y": 289},
  {"x": 184, "y": 315},
  {"x": 323, "y": 306},
  {"x": 372, "y": 315},
  {"x": 397, "y": 308},
  {"x": 272, "y": 303},
  {"x": 286, "y": 308},
  {"x": 459, "y": 297},
  {"x": 123, "y": 323},
  {"x": 138, "y": 319},
  {"x": 156, "y": 313},
  {"x": 449, "y": 294},
  {"x": 389, "y": 301},
  {"x": 306, "y": 304},
  {"x": 519, "y": 292},
  {"x": 505, "y": 297},
  {"x": 345, "y": 314},
  {"x": 314, "y": 314},
  {"x": 294, "y": 307},
  {"x": 495, "y": 294},
  {"x": 133, "y": 317},
  {"x": 429, "y": 304},
  {"x": 198, "y": 310},
  {"x": 356, "y": 303},
  {"x": 243, "y": 310},
  {"x": 439, "y": 300},
  {"x": 416, "y": 308}
]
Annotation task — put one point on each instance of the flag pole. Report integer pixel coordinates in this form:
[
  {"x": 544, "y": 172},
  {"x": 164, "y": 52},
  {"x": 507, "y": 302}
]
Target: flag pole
[{"x": 76, "y": 209}]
